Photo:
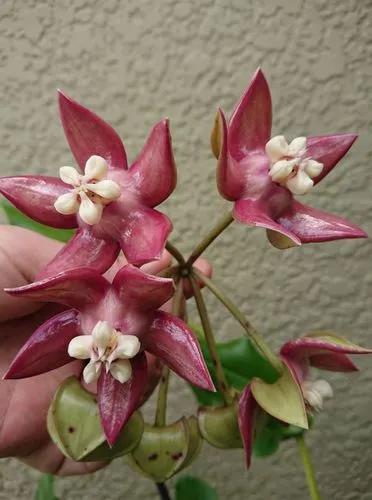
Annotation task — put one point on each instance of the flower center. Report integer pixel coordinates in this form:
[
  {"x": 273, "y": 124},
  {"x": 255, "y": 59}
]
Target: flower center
[
  {"x": 107, "y": 348},
  {"x": 315, "y": 392},
  {"x": 90, "y": 193},
  {"x": 289, "y": 165}
]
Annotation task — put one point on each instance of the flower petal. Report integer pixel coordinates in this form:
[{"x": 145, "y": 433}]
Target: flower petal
[
  {"x": 247, "y": 415},
  {"x": 318, "y": 344},
  {"x": 89, "y": 135},
  {"x": 333, "y": 362},
  {"x": 92, "y": 371},
  {"x": 171, "y": 340},
  {"x": 46, "y": 349},
  {"x": 128, "y": 347},
  {"x": 154, "y": 171},
  {"x": 75, "y": 288},
  {"x": 95, "y": 168},
  {"x": 118, "y": 401},
  {"x": 67, "y": 203},
  {"x": 328, "y": 150},
  {"x": 80, "y": 347},
  {"x": 230, "y": 179},
  {"x": 255, "y": 213},
  {"x": 35, "y": 196},
  {"x": 250, "y": 123},
  {"x": 310, "y": 225},
  {"x": 139, "y": 290},
  {"x": 107, "y": 189},
  {"x": 89, "y": 212},
  {"x": 83, "y": 250},
  {"x": 144, "y": 234},
  {"x": 69, "y": 175},
  {"x": 121, "y": 370},
  {"x": 101, "y": 335}
]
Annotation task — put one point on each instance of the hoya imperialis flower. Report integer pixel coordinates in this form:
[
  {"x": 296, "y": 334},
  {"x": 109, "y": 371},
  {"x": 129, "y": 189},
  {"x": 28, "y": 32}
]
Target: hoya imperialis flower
[
  {"x": 261, "y": 174},
  {"x": 322, "y": 350},
  {"x": 110, "y": 204},
  {"x": 111, "y": 326}
]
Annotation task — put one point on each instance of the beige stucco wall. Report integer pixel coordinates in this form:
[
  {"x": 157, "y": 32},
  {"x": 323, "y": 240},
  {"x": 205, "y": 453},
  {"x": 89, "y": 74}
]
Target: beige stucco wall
[{"x": 135, "y": 61}]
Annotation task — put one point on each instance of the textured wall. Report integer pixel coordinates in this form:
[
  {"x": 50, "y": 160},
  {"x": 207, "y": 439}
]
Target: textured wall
[{"x": 135, "y": 61}]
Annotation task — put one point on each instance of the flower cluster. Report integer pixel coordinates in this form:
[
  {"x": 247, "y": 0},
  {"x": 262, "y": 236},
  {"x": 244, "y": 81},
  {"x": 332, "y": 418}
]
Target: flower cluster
[{"x": 114, "y": 326}]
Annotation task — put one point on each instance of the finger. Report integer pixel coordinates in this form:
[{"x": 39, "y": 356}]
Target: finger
[
  {"x": 23, "y": 254},
  {"x": 49, "y": 459}
]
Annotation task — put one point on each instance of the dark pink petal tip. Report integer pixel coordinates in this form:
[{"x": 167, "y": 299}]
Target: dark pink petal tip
[
  {"x": 139, "y": 290},
  {"x": 246, "y": 419},
  {"x": 74, "y": 288},
  {"x": 87, "y": 134},
  {"x": 154, "y": 171},
  {"x": 34, "y": 195},
  {"x": 46, "y": 349},
  {"x": 250, "y": 123},
  {"x": 117, "y": 401},
  {"x": 172, "y": 341}
]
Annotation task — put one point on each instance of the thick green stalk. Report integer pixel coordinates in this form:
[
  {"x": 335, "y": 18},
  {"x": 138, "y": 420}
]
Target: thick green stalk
[
  {"x": 253, "y": 334},
  {"x": 308, "y": 467},
  {"x": 211, "y": 343},
  {"x": 226, "y": 220}
]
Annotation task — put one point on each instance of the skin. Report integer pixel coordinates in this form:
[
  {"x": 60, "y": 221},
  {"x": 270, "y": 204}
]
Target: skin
[{"x": 24, "y": 403}]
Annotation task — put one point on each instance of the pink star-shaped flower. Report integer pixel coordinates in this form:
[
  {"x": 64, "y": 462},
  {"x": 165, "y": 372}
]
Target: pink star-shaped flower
[
  {"x": 323, "y": 351},
  {"x": 261, "y": 174},
  {"x": 110, "y": 326},
  {"x": 110, "y": 204}
]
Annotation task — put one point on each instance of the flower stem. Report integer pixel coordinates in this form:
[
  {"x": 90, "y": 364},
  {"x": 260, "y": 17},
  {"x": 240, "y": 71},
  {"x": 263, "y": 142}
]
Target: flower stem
[
  {"x": 209, "y": 337},
  {"x": 253, "y": 334},
  {"x": 161, "y": 407},
  {"x": 308, "y": 467},
  {"x": 178, "y": 309},
  {"x": 175, "y": 253},
  {"x": 226, "y": 220},
  {"x": 163, "y": 491}
]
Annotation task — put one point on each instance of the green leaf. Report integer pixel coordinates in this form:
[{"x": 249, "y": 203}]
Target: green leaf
[
  {"x": 268, "y": 435},
  {"x": 45, "y": 488},
  {"x": 282, "y": 399},
  {"x": 74, "y": 426},
  {"x": 241, "y": 363},
  {"x": 17, "y": 218},
  {"x": 188, "y": 487}
]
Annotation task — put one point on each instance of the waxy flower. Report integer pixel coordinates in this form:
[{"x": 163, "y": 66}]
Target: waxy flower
[
  {"x": 110, "y": 204},
  {"x": 324, "y": 351},
  {"x": 111, "y": 326},
  {"x": 261, "y": 174}
]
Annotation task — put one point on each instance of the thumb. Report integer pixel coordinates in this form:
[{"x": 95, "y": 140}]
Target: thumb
[{"x": 23, "y": 254}]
